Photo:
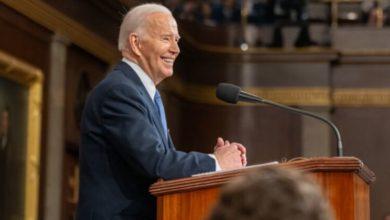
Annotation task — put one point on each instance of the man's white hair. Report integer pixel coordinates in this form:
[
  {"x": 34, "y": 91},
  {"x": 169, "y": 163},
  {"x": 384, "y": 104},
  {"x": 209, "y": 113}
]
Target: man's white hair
[{"x": 134, "y": 21}]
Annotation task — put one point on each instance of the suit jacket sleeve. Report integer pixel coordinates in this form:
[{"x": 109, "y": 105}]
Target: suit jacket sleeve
[{"x": 129, "y": 128}]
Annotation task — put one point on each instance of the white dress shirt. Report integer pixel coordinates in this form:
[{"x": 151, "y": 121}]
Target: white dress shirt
[{"x": 145, "y": 79}]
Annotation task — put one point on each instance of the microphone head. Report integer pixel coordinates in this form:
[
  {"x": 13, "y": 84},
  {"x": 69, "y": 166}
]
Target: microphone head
[{"x": 228, "y": 92}]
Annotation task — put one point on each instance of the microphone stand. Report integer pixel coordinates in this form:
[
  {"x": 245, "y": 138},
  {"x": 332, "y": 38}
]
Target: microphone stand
[{"x": 246, "y": 97}]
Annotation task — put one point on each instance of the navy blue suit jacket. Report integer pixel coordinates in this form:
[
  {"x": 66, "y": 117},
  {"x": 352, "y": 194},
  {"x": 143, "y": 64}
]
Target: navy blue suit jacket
[{"x": 124, "y": 150}]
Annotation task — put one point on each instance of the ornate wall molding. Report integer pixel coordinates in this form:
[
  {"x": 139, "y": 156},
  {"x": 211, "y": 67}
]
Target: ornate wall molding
[
  {"x": 362, "y": 97},
  {"x": 32, "y": 78},
  {"x": 312, "y": 51},
  {"x": 303, "y": 96},
  {"x": 59, "y": 23},
  {"x": 299, "y": 96}
]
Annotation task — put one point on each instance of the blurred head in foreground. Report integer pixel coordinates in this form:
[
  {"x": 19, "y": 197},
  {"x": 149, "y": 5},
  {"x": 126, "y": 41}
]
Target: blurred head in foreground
[{"x": 271, "y": 194}]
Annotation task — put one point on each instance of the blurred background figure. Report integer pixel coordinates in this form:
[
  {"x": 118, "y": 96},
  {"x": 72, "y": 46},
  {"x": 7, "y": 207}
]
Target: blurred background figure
[
  {"x": 204, "y": 13},
  {"x": 225, "y": 11},
  {"x": 271, "y": 194},
  {"x": 291, "y": 12},
  {"x": 188, "y": 10},
  {"x": 260, "y": 12}
]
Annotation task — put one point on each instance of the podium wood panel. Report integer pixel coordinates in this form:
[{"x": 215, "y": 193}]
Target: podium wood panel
[
  {"x": 192, "y": 205},
  {"x": 347, "y": 193},
  {"x": 345, "y": 182}
]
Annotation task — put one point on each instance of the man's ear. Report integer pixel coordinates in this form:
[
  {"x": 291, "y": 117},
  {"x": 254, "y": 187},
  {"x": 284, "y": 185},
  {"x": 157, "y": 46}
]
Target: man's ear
[{"x": 135, "y": 44}]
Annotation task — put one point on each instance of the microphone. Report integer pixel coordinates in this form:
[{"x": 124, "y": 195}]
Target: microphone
[{"x": 232, "y": 94}]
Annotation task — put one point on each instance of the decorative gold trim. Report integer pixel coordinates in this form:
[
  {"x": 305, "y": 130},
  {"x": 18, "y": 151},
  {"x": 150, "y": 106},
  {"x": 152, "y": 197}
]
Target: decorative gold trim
[
  {"x": 32, "y": 78},
  {"x": 362, "y": 97},
  {"x": 303, "y": 96},
  {"x": 341, "y": 1},
  {"x": 58, "y": 22},
  {"x": 365, "y": 53},
  {"x": 300, "y": 96}
]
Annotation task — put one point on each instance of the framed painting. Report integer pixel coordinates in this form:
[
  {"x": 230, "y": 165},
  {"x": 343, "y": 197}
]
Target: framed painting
[{"x": 20, "y": 129}]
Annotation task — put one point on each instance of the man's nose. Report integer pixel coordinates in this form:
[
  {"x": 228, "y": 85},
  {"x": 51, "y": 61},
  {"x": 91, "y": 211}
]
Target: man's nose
[{"x": 175, "y": 48}]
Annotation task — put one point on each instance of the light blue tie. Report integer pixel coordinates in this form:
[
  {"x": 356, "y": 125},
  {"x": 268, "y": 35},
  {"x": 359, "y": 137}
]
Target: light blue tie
[{"x": 161, "y": 112}]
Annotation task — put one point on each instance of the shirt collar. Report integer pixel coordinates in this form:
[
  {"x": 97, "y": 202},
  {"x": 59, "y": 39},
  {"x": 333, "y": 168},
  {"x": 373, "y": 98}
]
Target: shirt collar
[{"x": 145, "y": 79}]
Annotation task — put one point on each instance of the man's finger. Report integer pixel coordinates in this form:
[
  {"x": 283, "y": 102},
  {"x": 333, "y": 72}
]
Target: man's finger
[
  {"x": 240, "y": 147},
  {"x": 243, "y": 160},
  {"x": 220, "y": 142}
]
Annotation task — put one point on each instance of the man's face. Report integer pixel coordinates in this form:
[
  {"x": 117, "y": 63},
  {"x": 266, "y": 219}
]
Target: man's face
[{"x": 158, "y": 46}]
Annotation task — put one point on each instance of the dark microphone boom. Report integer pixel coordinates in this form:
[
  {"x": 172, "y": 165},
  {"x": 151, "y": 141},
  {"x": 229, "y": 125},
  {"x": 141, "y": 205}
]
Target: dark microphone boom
[{"x": 232, "y": 94}]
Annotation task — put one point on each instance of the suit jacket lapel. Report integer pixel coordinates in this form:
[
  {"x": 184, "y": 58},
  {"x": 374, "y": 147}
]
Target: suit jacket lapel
[
  {"x": 170, "y": 142},
  {"x": 129, "y": 72}
]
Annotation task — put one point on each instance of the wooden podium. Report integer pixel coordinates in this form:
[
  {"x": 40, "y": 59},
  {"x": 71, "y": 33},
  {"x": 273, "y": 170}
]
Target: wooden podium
[{"x": 344, "y": 180}]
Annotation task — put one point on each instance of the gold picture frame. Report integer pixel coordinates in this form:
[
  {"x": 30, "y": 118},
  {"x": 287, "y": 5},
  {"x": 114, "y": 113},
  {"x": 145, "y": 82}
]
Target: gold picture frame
[{"x": 31, "y": 78}]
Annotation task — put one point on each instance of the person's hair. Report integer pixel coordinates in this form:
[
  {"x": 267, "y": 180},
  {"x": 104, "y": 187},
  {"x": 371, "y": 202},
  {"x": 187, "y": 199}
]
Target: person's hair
[
  {"x": 271, "y": 194},
  {"x": 134, "y": 21}
]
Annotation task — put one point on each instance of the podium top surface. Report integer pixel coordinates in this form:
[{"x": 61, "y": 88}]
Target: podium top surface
[{"x": 213, "y": 179}]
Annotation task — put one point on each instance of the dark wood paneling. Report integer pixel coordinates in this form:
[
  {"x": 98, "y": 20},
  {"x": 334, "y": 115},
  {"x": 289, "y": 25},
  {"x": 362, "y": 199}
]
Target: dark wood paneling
[
  {"x": 361, "y": 75},
  {"x": 269, "y": 134},
  {"x": 83, "y": 72},
  {"x": 24, "y": 39},
  {"x": 99, "y": 17},
  {"x": 178, "y": 204},
  {"x": 366, "y": 136},
  {"x": 265, "y": 74}
]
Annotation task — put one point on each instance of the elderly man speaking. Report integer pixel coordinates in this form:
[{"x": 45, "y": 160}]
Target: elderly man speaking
[{"x": 125, "y": 144}]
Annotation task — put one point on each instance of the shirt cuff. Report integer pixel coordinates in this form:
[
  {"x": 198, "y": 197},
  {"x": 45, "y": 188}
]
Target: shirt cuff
[{"x": 217, "y": 167}]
